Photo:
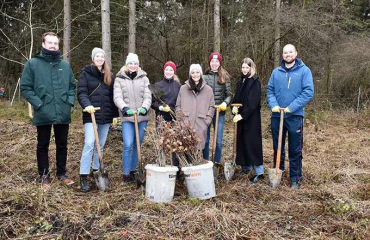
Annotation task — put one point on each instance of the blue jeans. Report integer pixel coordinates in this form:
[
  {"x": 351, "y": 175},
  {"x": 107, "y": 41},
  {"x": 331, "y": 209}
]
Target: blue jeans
[
  {"x": 258, "y": 170},
  {"x": 89, "y": 151},
  {"x": 129, "y": 155},
  {"x": 293, "y": 125},
  {"x": 220, "y": 131}
]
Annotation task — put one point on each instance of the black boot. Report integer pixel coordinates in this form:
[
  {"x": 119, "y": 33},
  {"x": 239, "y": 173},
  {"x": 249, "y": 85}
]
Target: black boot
[
  {"x": 85, "y": 186},
  {"x": 133, "y": 175}
]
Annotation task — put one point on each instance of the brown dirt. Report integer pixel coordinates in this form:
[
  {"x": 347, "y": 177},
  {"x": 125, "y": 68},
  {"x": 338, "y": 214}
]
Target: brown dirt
[{"x": 333, "y": 202}]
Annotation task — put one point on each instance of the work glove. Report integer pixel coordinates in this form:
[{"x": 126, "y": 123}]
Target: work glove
[
  {"x": 275, "y": 109},
  {"x": 222, "y": 107},
  {"x": 115, "y": 121},
  {"x": 235, "y": 110},
  {"x": 142, "y": 111},
  {"x": 287, "y": 110},
  {"x": 90, "y": 109},
  {"x": 164, "y": 108},
  {"x": 237, "y": 118}
]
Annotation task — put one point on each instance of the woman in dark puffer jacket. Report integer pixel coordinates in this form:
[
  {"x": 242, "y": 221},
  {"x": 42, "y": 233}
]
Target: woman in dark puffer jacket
[{"x": 95, "y": 89}]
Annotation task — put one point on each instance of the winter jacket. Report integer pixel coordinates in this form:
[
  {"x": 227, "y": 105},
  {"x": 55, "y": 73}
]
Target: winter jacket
[
  {"x": 249, "y": 135},
  {"x": 49, "y": 86},
  {"x": 290, "y": 88},
  {"x": 198, "y": 108},
  {"x": 132, "y": 93},
  {"x": 222, "y": 92},
  {"x": 93, "y": 91},
  {"x": 171, "y": 89}
]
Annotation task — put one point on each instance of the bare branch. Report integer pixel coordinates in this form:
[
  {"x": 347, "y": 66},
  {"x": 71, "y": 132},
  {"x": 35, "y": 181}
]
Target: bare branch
[
  {"x": 17, "y": 19},
  {"x": 1, "y": 30},
  {"x": 11, "y": 60},
  {"x": 77, "y": 44}
]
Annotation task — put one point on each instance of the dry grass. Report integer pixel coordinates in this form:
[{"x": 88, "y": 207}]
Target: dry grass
[{"x": 333, "y": 203}]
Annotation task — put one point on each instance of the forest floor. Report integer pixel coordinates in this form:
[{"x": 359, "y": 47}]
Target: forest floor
[{"x": 332, "y": 203}]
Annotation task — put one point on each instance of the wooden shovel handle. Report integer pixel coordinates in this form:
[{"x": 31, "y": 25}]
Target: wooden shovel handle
[
  {"x": 97, "y": 142},
  {"x": 238, "y": 105},
  {"x": 137, "y": 136},
  {"x": 278, "y": 152},
  {"x": 215, "y": 135}
]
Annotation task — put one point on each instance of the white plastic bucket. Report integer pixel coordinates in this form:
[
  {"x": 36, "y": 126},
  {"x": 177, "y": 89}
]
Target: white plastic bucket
[
  {"x": 200, "y": 181},
  {"x": 160, "y": 183}
]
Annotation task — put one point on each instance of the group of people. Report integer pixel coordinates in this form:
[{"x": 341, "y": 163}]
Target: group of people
[{"x": 48, "y": 85}]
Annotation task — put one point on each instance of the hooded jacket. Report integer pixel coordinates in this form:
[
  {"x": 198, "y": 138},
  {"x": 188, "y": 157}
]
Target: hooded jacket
[
  {"x": 93, "y": 91},
  {"x": 198, "y": 108},
  {"x": 290, "y": 88},
  {"x": 49, "y": 86},
  {"x": 132, "y": 93}
]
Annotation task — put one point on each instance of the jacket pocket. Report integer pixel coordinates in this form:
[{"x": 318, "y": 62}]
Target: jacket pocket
[
  {"x": 65, "y": 106},
  {"x": 65, "y": 98},
  {"x": 46, "y": 112}
]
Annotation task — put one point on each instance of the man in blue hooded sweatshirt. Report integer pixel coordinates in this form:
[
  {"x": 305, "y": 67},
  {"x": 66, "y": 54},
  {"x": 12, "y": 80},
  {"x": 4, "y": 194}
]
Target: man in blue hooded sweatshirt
[{"x": 290, "y": 87}]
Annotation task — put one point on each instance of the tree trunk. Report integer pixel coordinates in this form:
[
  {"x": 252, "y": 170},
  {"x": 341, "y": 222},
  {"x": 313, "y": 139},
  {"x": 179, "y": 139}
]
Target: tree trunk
[
  {"x": 277, "y": 53},
  {"x": 132, "y": 27},
  {"x": 217, "y": 37},
  {"x": 105, "y": 28},
  {"x": 67, "y": 31}
]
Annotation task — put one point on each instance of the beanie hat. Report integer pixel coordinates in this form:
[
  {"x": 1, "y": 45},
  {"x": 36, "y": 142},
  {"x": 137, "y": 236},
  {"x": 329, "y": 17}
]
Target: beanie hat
[
  {"x": 197, "y": 67},
  {"x": 132, "y": 57},
  {"x": 215, "y": 55},
  {"x": 96, "y": 51},
  {"x": 171, "y": 64}
]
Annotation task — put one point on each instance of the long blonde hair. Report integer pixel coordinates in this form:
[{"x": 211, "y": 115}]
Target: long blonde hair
[
  {"x": 223, "y": 75},
  {"x": 251, "y": 64}
]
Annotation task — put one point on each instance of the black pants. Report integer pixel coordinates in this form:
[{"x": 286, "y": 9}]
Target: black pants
[{"x": 43, "y": 140}]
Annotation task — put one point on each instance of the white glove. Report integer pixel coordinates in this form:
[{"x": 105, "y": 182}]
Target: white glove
[{"x": 237, "y": 118}]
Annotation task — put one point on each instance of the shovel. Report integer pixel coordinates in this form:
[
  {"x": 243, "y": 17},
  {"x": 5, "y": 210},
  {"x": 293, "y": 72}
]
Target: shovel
[
  {"x": 275, "y": 173},
  {"x": 101, "y": 175},
  {"x": 158, "y": 94},
  {"x": 229, "y": 168},
  {"x": 216, "y": 166},
  {"x": 140, "y": 176}
]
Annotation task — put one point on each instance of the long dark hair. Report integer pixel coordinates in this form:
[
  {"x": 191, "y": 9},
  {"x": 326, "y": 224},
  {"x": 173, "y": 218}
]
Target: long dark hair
[{"x": 193, "y": 86}]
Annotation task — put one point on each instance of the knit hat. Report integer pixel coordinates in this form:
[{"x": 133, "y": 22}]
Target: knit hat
[
  {"x": 197, "y": 67},
  {"x": 215, "y": 55},
  {"x": 96, "y": 51},
  {"x": 171, "y": 64},
  {"x": 132, "y": 57}
]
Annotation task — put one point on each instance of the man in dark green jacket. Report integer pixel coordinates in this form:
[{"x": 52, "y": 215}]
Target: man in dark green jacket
[{"x": 48, "y": 84}]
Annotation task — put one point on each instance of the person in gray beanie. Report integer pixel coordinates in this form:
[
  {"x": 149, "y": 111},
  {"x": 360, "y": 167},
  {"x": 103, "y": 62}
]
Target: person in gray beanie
[
  {"x": 196, "y": 102},
  {"x": 131, "y": 93}
]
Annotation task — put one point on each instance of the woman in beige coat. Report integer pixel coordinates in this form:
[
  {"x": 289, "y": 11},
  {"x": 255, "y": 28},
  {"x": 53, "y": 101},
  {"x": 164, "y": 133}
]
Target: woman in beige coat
[
  {"x": 131, "y": 93},
  {"x": 196, "y": 102}
]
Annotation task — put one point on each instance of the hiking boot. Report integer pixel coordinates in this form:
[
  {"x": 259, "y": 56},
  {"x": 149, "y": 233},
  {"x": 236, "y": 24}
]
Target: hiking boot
[
  {"x": 45, "y": 182},
  {"x": 84, "y": 183},
  {"x": 294, "y": 185},
  {"x": 245, "y": 172},
  {"x": 133, "y": 175},
  {"x": 127, "y": 179},
  {"x": 256, "y": 178},
  {"x": 66, "y": 180}
]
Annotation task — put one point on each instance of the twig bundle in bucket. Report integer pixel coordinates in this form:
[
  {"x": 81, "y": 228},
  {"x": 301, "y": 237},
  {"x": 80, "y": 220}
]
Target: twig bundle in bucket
[{"x": 180, "y": 138}]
